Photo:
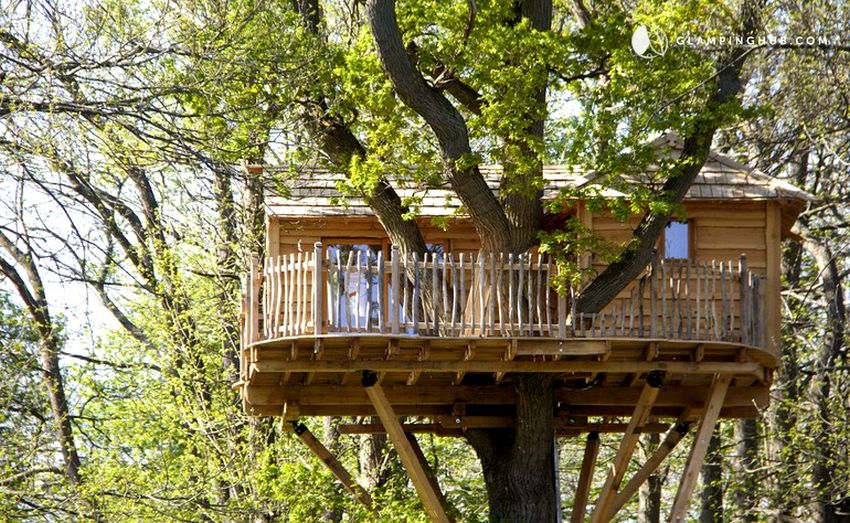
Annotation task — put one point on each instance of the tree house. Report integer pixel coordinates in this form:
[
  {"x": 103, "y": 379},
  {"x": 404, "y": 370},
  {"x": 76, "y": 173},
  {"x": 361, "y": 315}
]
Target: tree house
[{"x": 339, "y": 322}]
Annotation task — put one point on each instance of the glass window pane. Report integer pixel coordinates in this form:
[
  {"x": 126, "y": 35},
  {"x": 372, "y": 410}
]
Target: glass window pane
[{"x": 676, "y": 241}]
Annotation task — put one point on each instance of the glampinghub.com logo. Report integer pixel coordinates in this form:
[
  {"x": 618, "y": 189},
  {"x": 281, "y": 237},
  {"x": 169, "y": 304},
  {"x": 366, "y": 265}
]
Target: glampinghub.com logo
[{"x": 649, "y": 43}]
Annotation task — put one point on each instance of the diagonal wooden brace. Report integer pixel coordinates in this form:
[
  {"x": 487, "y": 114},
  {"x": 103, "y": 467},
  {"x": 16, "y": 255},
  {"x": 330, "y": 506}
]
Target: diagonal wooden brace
[
  {"x": 591, "y": 451},
  {"x": 428, "y": 493},
  {"x": 654, "y": 381},
  {"x": 673, "y": 437},
  {"x": 695, "y": 460},
  {"x": 332, "y": 464}
]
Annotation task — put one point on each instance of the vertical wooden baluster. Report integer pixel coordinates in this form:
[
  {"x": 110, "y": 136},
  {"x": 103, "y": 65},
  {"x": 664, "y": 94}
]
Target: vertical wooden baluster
[
  {"x": 289, "y": 287},
  {"x": 346, "y": 292},
  {"x": 698, "y": 301},
  {"x": 724, "y": 309},
  {"x": 394, "y": 284},
  {"x": 640, "y": 304},
  {"x": 549, "y": 296},
  {"x": 405, "y": 283},
  {"x": 482, "y": 280},
  {"x": 510, "y": 292},
  {"x": 416, "y": 298},
  {"x": 471, "y": 304},
  {"x": 446, "y": 309},
  {"x": 453, "y": 268},
  {"x": 520, "y": 287},
  {"x": 731, "y": 301},
  {"x": 299, "y": 290},
  {"x": 743, "y": 294},
  {"x": 623, "y": 317},
  {"x": 370, "y": 291},
  {"x": 281, "y": 298},
  {"x": 632, "y": 300},
  {"x": 665, "y": 329},
  {"x": 318, "y": 321},
  {"x": 581, "y": 325},
  {"x": 340, "y": 291},
  {"x": 289, "y": 290},
  {"x": 491, "y": 305},
  {"x": 280, "y": 292},
  {"x": 462, "y": 296},
  {"x": 329, "y": 294},
  {"x": 562, "y": 314},
  {"x": 269, "y": 293},
  {"x": 358, "y": 282},
  {"x": 758, "y": 307},
  {"x": 653, "y": 298},
  {"x": 688, "y": 308},
  {"x": 435, "y": 293},
  {"x": 529, "y": 284},
  {"x": 427, "y": 315},
  {"x": 681, "y": 290},
  {"x": 264, "y": 298},
  {"x": 381, "y": 290},
  {"x": 305, "y": 292},
  {"x": 500, "y": 274},
  {"x": 538, "y": 298}
]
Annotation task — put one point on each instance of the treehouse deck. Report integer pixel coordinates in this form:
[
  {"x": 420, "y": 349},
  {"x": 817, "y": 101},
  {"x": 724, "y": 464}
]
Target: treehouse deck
[{"x": 444, "y": 347}]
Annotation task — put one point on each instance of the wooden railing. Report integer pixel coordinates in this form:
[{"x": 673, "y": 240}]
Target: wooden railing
[{"x": 492, "y": 295}]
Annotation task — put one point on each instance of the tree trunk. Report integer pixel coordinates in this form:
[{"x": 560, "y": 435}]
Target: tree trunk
[
  {"x": 711, "y": 505},
  {"x": 746, "y": 493},
  {"x": 831, "y": 346},
  {"x": 519, "y": 463}
]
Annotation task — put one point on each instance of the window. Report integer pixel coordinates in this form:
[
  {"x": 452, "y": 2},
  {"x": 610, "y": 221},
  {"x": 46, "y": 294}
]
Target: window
[{"x": 677, "y": 240}]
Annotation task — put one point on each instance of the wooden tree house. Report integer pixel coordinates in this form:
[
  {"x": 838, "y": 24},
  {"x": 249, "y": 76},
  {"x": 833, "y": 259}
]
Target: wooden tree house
[{"x": 338, "y": 322}]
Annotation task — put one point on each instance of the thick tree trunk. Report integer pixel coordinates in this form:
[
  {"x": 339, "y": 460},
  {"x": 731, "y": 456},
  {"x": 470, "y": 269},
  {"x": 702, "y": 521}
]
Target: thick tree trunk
[
  {"x": 519, "y": 463},
  {"x": 711, "y": 504}
]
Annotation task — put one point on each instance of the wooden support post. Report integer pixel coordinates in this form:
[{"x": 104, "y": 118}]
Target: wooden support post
[
  {"x": 588, "y": 463},
  {"x": 697, "y": 455},
  {"x": 420, "y": 456},
  {"x": 332, "y": 464},
  {"x": 430, "y": 498},
  {"x": 674, "y": 436},
  {"x": 654, "y": 381}
]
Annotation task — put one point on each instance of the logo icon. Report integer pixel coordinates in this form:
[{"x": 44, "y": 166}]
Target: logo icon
[{"x": 649, "y": 44}]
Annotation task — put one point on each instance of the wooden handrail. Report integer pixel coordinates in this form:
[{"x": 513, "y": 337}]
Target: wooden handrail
[{"x": 494, "y": 295}]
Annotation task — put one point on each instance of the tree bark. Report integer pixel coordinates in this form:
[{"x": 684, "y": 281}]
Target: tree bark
[
  {"x": 447, "y": 123},
  {"x": 831, "y": 346},
  {"x": 519, "y": 463},
  {"x": 746, "y": 436}
]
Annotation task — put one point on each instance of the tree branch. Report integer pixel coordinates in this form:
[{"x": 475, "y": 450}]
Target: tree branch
[
  {"x": 697, "y": 144},
  {"x": 446, "y": 122}
]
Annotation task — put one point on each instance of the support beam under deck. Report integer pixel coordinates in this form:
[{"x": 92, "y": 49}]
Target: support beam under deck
[
  {"x": 588, "y": 463},
  {"x": 430, "y": 497},
  {"x": 618, "y": 468},
  {"x": 695, "y": 460},
  {"x": 333, "y": 464}
]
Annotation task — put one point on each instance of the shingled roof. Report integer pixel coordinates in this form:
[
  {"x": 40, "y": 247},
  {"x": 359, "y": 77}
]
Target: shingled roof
[{"x": 313, "y": 191}]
